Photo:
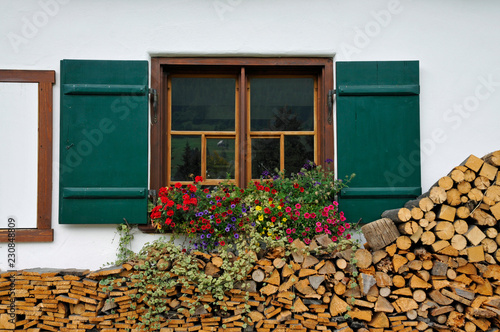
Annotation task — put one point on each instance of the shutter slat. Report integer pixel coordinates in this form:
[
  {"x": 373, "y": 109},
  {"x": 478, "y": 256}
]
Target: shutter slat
[
  {"x": 103, "y": 89},
  {"x": 105, "y": 192}
]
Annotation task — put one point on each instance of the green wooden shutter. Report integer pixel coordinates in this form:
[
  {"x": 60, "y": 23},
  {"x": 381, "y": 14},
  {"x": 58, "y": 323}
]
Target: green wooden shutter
[
  {"x": 104, "y": 142},
  {"x": 378, "y": 135}
]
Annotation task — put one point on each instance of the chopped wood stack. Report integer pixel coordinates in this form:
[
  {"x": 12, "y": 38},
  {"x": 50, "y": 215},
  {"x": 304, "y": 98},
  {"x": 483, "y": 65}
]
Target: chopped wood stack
[
  {"x": 432, "y": 265},
  {"x": 436, "y": 260}
]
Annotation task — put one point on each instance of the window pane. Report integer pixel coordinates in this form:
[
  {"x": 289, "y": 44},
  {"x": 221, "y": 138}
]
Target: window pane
[
  {"x": 265, "y": 156},
  {"x": 186, "y": 157},
  {"x": 299, "y": 150},
  {"x": 220, "y": 158},
  {"x": 203, "y": 103},
  {"x": 281, "y": 104}
]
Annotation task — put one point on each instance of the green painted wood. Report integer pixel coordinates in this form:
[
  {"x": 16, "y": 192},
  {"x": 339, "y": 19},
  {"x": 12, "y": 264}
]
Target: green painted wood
[
  {"x": 104, "y": 192},
  {"x": 103, "y": 142},
  {"x": 381, "y": 191},
  {"x": 378, "y": 135},
  {"x": 103, "y": 89},
  {"x": 370, "y": 90}
]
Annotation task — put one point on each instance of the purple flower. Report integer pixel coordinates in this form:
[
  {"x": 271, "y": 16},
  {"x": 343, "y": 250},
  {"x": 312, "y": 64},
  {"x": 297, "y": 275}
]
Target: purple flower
[
  {"x": 227, "y": 229},
  {"x": 243, "y": 210},
  {"x": 233, "y": 218},
  {"x": 233, "y": 206},
  {"x": 208, "y": 236},
  {"x": 236, "y": 235},
  {"x": 253, "y": 224},
  {"x": 202, "y": 236},
  {"x": 209, "y": 196},
  {"x": 329, "y": 160}
]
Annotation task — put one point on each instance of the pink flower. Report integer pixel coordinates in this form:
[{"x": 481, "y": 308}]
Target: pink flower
[
  {"x": 307, "y": 241},
  {"x": 348, "y": 236},
  {"x": 335, "y": 203},
  {"x": 290, "y": 240},
  {"x": 342, "y": 218},
  {"x": 297, "y": 213},
  {"x": 318, "y": 224},
  {"x": 331, "y": 207},
  {"x": 288, "y": 231},
  {"x": 307, "y": 229},
  {"x": 327, "y": 231},
  {"x": 347, "y": 225},
  {"x": 324, "y": 213},
  {"x": 342, "y": 229},
  {"x": 313, "y": 215},
  {"x": 319, "y": 229},
  {"x": 307, "y": 215},
  {"x": 293, "y": 230},
  {"x": 334, "y": 238},
  {"x": 288, "y": 209}
]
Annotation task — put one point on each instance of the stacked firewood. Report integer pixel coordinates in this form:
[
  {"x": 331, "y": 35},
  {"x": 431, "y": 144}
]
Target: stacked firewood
[
  {"x": 432, "y": 265},
  {"x": 436, "y": 260}
]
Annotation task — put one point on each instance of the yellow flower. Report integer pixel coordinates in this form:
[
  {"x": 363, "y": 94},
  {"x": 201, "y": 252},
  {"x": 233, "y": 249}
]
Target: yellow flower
[
  {"x": 284, "y": 219},
  {"x": 279, "y": 207},
  {"x": 261, "y": 217},
  {"x": 258, "y": 208}
]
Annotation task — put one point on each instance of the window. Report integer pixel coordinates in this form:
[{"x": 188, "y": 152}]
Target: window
[
  {"x": 232, "y": 117},
  {"x": 235, "y": 118},
  {"x": 43, "y": 231}
]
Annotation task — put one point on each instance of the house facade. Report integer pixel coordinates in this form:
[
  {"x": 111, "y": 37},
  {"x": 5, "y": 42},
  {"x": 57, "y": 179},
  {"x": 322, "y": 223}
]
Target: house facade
[{"x": 101, "y": 100}]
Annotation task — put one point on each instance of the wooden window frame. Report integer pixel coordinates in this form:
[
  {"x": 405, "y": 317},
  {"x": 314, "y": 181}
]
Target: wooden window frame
[
  {"x": 322, "y": 68},
  {"x": 45, "y": 79}
]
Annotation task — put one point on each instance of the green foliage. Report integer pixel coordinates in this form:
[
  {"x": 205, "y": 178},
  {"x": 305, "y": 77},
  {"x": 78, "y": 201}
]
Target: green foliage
[{"x": 124, "y": 253}]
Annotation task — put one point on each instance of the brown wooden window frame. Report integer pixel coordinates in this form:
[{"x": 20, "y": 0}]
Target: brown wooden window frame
[
  {"x": 45, "y": 79},
  {"x": 161, "y": 68}
]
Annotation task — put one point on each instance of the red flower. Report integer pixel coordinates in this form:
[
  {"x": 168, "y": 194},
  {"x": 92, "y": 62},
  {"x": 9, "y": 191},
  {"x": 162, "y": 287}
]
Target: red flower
[
  {"x": 274, "y": 191},
  {"x": 178, "y": 185},
  {"x": 170, "y": 213},
  {"x": 266, "y": 210},
  {"x": 222, "y": 243},
  {"x": 198, "y": 179},
  {"x": 266, "y": 189},
  {"x": 301, "y": 189},
  {"x": 273, "y": 219},
  {"x": 295, "y": 185}
]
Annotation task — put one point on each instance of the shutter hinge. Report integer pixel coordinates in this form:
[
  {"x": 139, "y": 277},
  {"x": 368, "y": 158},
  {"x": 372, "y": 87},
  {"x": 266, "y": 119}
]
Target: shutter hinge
[
  {"x": 331, "y": 99},
  {"x": 154, "y": 105},
  {"x": 152, "y": 192}
]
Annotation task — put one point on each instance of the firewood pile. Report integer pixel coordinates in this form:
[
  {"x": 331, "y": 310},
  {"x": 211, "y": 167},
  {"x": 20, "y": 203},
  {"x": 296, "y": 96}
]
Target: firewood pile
[
  {"x": 436, "y": 260},
  {"x": 432, "y": 265}
]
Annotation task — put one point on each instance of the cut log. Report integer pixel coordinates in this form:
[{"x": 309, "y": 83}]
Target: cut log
[
  {"x": 445, "y": 182},
  {"x": 453, "y": 197},
  {"x": 474, "y": 163},
  {"x": 444, "y": 230},
  {"x": 447, "y": 212},
  {"x": 493, "y": 158},
  {"x": 464, "y": 187},
  {"x": 483, "y": 218},
  {"x": 457, "y": 175},
  {"x": 363, "y": 258},
  {"x": 380, "y": 233},
  {"x": 397, "y": 215},
  {"x": 437, "y": 195},
  {"x": 403, "y": 242},
  {"x": 461, "y": 226},
  {"x": 426, "y": 204}
]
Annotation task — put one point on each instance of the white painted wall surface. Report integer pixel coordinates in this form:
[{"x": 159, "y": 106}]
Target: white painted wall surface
[{"x": 456, "y": 41}]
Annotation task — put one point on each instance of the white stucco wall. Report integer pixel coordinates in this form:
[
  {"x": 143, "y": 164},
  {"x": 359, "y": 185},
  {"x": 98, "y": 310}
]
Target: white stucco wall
[{"x": 456, "y": 41}]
